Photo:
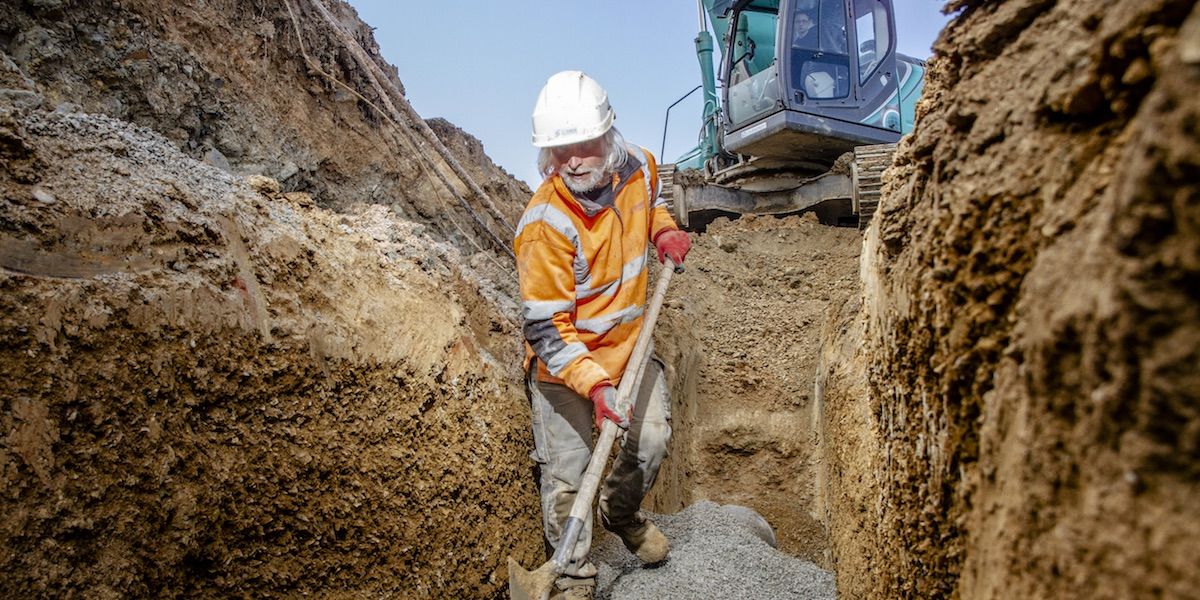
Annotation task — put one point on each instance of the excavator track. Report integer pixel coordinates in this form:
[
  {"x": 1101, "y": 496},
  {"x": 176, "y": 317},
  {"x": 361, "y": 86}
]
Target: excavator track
[
  {"x": 688, "y": 191},
  {"x": 866, "y": 174},
  {"x": 666, "y": 174}
]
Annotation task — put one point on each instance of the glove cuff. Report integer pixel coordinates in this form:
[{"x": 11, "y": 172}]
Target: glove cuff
[
  {"x": 597, "y": 391},
  {"x": 654, "y": 240}
]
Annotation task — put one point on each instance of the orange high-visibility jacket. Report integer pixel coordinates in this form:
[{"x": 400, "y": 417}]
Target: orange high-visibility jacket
[{"x": 582, "y": 269}]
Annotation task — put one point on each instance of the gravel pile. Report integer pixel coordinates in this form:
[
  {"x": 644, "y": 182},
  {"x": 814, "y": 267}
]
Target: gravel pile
[{"x": 716, "y": 553}]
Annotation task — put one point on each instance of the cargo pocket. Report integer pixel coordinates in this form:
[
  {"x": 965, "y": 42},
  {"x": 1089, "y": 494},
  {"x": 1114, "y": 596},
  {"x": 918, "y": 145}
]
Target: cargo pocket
[{"x": 661, "y": 392}]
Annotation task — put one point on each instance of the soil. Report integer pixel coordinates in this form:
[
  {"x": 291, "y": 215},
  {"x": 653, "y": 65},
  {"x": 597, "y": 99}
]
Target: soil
[
  {"x": 213, "y": 388},
  {"x": 213, "y": 385},
  {"x": 741, "y": 331},
  {"x": 226, "y": 81},
  {"x": 1011, "y": 412},
  {"x": 251, "y": 345}
]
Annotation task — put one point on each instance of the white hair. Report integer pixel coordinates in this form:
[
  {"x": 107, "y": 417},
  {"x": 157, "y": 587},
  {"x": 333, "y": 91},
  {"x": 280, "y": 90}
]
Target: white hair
[{"x": 614, "y": 156}]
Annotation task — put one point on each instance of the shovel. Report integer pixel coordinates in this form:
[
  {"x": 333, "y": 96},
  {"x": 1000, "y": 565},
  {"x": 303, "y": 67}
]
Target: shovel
[{"x": 536, "y": 584}]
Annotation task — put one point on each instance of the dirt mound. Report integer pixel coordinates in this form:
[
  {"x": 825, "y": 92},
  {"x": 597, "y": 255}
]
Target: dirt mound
[
  {"x": 1013, "y": 412},
  {"x": 492, "y": 178},
  {"x": 227, "y": 82},
  {"x": 211, "y": 383},
  {"x": 741, "y": 334}
]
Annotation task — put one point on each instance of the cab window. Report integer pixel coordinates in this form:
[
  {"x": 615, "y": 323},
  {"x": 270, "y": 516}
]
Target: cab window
[
  {"x": 753, "y": 80},
  {"x": 871, "y": 29},
  {"x": 820, "y": 64}
]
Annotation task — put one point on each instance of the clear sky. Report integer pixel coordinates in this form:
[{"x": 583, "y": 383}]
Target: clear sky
[{"x": 480, "y": 63}]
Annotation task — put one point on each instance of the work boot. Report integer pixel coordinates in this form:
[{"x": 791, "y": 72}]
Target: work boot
[
  {"x": 579, "y": 591},
  {"x": 641, "y": 537}
]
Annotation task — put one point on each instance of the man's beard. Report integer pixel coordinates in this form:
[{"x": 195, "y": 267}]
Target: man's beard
[{"x": 594, "y": 178}]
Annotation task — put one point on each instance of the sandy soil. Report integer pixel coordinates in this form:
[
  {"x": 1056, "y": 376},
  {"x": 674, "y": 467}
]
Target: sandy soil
[
  {"x": 742, "y": 333},
  {"x": 212, "y": 388},
  {"x": 226, "y": 82},
  {"x": 1011, "y": 413}
]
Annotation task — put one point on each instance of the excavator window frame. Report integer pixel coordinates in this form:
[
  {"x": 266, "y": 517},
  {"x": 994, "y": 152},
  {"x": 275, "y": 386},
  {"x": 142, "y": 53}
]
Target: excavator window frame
[
  {"x": 882, "y": 13},
  {"x": 732, "y": 61},
  {"x": 793, "y": 61}
]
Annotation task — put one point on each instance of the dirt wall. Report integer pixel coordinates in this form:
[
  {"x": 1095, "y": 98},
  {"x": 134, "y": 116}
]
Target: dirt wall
[
  {"x": 227, "y": 82},
  {"x": 213, "y": 389},
  {"x": 210, "y": 384},
  {"x": 1012, "y": 412}
]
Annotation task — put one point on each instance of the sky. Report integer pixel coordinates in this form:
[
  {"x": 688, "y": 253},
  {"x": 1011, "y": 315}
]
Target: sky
[{"x": 480, "y": 63}]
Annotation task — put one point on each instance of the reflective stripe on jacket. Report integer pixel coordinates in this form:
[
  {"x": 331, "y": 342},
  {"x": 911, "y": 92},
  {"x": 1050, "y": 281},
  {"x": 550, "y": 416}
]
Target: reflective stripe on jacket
[{"x": 583, "y": 274}]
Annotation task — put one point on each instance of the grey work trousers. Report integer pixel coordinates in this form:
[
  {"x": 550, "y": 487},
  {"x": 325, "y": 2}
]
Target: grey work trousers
[{"x": 562, "y": 439}]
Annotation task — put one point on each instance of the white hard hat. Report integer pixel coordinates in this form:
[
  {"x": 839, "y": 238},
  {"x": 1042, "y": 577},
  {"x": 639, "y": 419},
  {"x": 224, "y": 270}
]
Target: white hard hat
[{"x": 571, "y": 108}]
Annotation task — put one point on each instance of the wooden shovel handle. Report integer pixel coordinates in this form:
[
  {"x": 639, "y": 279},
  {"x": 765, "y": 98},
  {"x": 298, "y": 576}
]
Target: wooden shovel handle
[{"x": 625, "y": 392}]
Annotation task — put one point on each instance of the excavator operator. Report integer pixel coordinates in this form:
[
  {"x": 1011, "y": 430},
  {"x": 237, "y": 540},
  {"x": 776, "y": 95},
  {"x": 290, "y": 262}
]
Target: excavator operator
[{"x": 581, "y": 257}]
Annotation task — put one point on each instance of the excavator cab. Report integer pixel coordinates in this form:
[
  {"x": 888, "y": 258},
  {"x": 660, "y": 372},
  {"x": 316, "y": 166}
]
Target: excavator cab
[
  {"x": 803, "y": 83},
  {"x": 808, "y": 80}
]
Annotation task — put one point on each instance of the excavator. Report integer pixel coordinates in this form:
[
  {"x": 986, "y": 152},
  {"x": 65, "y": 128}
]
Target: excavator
[{"x": 814, "y": 97}]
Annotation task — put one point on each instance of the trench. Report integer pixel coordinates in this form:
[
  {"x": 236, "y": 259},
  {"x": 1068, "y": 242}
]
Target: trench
[
  {"x": 243, "y": 355},
  {"x": 293, "y": 366},
  {"x": 741, "y": 335}
]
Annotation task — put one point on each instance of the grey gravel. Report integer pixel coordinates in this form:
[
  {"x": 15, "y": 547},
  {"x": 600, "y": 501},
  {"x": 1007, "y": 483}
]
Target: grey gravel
[{"x": 715, "y": 554}]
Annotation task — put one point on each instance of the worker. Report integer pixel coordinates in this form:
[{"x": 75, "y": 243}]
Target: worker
[
  {"x": 581, "y": 258},
  {"x": 804, "y": 31}
]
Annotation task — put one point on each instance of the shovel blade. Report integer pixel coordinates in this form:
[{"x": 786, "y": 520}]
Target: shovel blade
[{"x": 530, "y": 585}]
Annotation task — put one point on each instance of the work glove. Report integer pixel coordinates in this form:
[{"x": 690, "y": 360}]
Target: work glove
[
  {"x": 673, "y": 243},
  {"x": 604, "y": 397}
]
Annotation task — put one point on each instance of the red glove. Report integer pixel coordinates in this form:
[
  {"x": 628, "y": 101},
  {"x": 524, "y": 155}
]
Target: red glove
[
  {"x": 604, "y": 397},
  {"x": 673, "y": 243}
]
